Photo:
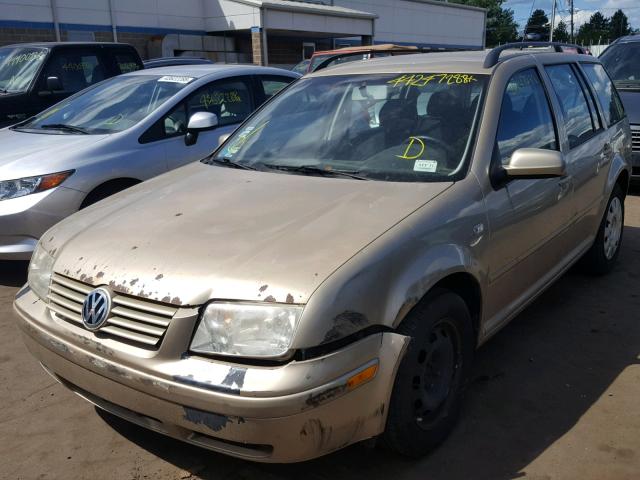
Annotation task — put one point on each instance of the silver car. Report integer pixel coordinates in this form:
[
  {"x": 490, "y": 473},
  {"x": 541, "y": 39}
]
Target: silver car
[
  {"x": 326, "y": 275},
  {"x": 116, "y": 134}
]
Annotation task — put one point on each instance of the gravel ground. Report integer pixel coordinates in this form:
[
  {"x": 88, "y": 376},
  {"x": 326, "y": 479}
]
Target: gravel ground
[{"x": 554, "y": 396}]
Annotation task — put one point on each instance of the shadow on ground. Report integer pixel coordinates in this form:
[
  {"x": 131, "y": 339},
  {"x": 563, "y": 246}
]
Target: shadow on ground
[
  {"x": 532, "y": 383},
  {"x": 13, "y": 273}
]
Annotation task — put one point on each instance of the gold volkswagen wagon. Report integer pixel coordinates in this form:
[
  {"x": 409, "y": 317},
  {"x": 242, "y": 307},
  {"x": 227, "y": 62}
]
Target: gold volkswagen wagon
[{"x": 325, "y": 276}]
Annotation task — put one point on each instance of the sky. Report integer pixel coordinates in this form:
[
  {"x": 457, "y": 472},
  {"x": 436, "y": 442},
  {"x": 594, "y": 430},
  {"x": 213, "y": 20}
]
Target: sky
[{"x": 583, "y": 8}]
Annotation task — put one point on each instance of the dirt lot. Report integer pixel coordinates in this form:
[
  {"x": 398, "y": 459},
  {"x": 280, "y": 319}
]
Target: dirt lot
[{"x": 555, "y": 396}]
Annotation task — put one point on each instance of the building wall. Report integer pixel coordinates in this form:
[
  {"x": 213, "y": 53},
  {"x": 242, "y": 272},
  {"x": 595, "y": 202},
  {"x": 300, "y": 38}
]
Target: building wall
[
  {"x": 423, "y": 22},
  {"x": 224, "y": 15},
  {"x": 305, "y": 22}
]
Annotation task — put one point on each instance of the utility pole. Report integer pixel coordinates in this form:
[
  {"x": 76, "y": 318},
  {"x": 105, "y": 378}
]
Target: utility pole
[
  {"x": 572, "y": 40},
  {"x": 553, "y": 19}
]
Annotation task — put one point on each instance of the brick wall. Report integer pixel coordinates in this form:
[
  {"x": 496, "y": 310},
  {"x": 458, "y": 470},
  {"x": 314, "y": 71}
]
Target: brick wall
[
  {"x": 256, "y": 47},
  {"x": 22, "y": 35},
  {"x": 288, "y": 51},
  {"x": 139, "y": 40}
]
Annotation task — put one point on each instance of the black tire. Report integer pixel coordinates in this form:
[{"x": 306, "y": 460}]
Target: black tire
[
  {"x": 423, "y": 409},
  {"x": 596, "y": 260}
]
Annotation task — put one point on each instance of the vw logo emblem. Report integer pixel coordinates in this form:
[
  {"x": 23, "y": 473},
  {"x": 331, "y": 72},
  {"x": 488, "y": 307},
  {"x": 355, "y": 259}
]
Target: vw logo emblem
[{"x": 96, "y": 308}]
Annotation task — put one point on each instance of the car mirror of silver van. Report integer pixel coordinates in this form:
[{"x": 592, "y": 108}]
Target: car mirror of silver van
[
  {"x": 199, "y": 122},
  {"x": 535, "y": 163}
]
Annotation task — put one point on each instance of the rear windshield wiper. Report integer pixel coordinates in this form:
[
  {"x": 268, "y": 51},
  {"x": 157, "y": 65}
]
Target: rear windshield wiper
[
  {"x": 227, "y": 162},
  {"x": 312, "y": 169},
  {"x": 63, "y": 126}
]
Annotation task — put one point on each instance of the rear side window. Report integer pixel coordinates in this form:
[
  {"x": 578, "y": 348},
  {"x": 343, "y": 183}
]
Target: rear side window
[
  {"x": 577, "y": 114},
  {"x": 75, "y": 69},
  {"x": 229, "y": 99},
  {"x": 272, "y": 85},
  {"x": 525, "y": 116},
  {"x": 611, "y": 104}
]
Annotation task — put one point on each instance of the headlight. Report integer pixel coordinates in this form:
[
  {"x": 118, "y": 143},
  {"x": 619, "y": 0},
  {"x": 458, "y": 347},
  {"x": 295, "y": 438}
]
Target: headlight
[
  {"x": 40, "y": 270},
  {"x": 27, "y": 186},
  {"x": 246, "y": 330}
]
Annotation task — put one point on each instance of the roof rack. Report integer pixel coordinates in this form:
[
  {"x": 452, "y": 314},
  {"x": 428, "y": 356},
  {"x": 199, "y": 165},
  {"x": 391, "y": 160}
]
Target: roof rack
[{"x": 494, "y": 55}]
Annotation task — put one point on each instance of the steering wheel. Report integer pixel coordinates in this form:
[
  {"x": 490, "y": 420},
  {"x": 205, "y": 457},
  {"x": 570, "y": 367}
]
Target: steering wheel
[{"x": 435, "y": 141}]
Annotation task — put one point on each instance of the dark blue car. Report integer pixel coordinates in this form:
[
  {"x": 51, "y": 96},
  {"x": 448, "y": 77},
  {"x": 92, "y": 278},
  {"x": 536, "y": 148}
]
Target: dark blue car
[{"x": 622, "y": 61}]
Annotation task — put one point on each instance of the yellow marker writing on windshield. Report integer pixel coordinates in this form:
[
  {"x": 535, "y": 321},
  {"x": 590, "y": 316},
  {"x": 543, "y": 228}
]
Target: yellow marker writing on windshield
[{"x": 420, "y": 149}]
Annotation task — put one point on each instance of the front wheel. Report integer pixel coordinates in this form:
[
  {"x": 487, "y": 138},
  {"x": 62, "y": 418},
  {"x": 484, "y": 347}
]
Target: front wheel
[
  {"x": 427, "y": 392},
  {"x": 603, "y": 254}
]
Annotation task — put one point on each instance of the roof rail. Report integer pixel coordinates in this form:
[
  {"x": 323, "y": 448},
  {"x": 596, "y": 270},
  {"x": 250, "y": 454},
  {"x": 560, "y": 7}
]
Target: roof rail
[{"x": 494, "y": 55}]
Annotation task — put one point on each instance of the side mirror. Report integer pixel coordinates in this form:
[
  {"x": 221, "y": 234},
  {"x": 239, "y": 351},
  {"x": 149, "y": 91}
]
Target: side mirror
[
  {"x": 535, "y": 163},
  {"x": 54, "y": 84},
  {"x": 199, "y": 122}
]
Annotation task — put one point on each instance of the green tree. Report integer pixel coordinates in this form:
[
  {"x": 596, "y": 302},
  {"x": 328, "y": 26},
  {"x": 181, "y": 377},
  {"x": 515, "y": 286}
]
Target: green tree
[
  {"x": 596, "y": 30},
  {"x": 619, "y": 25},
  {"x": 501, "y": 26},
  {"x": 538, "y": 23},
  {"x": 561, "y": 33}
]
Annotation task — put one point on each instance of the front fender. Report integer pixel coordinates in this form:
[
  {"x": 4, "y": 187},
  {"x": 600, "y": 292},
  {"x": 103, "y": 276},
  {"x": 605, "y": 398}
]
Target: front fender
[{"x": 379, "y": 285}]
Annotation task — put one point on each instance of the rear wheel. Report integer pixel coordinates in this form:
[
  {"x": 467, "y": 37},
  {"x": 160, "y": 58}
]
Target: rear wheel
[
  {"x": 603, "y": 254},
  {"x": 427, "y": 393}
]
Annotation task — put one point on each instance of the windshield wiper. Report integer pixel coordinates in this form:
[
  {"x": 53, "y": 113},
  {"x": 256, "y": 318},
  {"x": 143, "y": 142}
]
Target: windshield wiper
[
  {"x": 312, "y": 169},
  {"x": 63, "y": 126},
  {"x": 227, "y": 162}
]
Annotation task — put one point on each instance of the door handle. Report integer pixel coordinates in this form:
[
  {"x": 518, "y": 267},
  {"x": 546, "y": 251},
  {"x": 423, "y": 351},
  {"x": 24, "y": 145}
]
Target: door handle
[{"x": 605, "y": 155}]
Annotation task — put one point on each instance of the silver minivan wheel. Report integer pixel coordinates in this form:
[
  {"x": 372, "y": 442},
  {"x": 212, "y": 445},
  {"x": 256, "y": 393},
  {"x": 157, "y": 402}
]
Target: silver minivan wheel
[{"x": 613, "y": 228}]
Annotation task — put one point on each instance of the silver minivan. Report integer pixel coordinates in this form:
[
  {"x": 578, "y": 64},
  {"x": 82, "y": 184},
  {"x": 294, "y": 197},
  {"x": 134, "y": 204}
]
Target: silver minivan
[
  {"x": 115, "y": 134},
  {"x": 326, "y": 275}
]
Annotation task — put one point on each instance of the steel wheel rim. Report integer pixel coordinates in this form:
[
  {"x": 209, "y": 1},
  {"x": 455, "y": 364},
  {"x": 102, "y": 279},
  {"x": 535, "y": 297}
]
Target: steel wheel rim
[
  {"x": 613, "y": 228},
  {"x": 439, "y": 361}
]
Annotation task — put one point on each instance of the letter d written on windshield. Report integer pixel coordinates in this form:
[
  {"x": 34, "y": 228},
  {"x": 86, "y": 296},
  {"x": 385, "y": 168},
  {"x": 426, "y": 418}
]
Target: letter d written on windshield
[{"x": 414, "y": 149}]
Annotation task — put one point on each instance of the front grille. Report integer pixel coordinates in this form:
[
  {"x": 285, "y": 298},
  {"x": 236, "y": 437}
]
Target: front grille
[
  {"x": 132, "y": 320},
  {"x": 635, "y": 140}
]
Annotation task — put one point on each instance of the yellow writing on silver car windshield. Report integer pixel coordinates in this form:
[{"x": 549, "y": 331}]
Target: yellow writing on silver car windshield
[
  {"x": 218, "y": 98},
  {"x": 421, "y": 80}
]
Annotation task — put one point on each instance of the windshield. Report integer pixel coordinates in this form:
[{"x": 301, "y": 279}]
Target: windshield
[
  {"x": 301, "y": 67},
  {"x": 622, "y": 61},
  {"x": 414, "y": 127},
  {"x": 111, "y": 106},
  {"x": 18, "y": 66}
]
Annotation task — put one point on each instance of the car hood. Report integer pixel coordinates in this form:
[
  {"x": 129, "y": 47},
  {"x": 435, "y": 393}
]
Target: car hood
[
  {"x": 25, "y": 154},
  {"x": 204, "y": 232},
  {"x": 631, "y": 102}
]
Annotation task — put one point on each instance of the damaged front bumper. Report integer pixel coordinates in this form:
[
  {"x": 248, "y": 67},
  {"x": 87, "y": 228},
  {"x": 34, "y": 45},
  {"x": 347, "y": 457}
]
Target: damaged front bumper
[{"x": 285, "y": 413}]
